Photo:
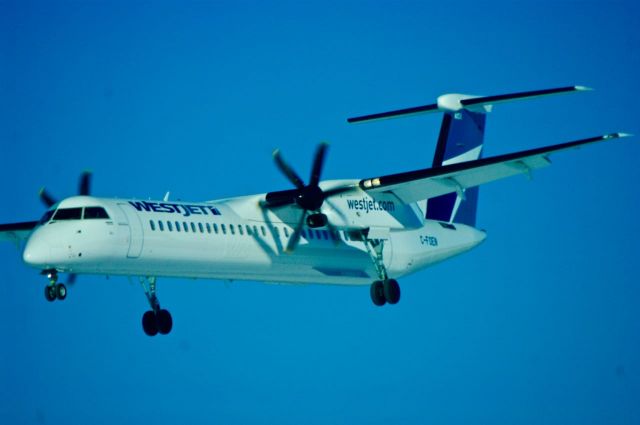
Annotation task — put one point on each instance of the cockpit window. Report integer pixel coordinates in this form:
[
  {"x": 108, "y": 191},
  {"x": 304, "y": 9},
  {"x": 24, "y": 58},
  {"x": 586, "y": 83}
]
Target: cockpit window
[
  {"x": 95, "y": 212},
  {"x": 46, "y": 217},
  {"x": 68, "y": 214}
]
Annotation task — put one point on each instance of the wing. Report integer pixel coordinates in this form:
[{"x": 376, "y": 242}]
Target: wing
[
  {"x": 16, "y": 232},
  {"x": 417, "y": 185}
]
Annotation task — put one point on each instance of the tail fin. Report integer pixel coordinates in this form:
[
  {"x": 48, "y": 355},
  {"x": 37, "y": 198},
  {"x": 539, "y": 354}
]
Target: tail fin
[{"x": 460, "y": 140}]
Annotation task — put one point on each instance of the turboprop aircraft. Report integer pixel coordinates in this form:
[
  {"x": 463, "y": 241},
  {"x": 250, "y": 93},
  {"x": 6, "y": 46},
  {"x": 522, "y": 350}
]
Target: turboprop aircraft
[{"x": 367, "y": 231}]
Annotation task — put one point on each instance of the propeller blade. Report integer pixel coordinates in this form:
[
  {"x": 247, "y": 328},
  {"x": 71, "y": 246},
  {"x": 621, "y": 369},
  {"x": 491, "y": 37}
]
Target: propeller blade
[
  {"x": 334, "y": 232},
  {"x": 84, "y": 186},
  {"x": 46, "y": 198},
  {"x": 338, "y": 190},
  {"x": 295, "y": 237},
  {"x": 287, "y": 170},
  {"x": 318, "y": 163},
  {"x": 71, "y": 279}
]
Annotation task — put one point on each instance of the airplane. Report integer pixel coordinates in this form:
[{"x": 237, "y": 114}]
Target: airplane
[{"x": 369, "y": 231}]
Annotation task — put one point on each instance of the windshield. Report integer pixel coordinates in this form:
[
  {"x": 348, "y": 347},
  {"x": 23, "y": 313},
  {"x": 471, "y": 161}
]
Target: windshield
[
  {"x": 46, "y": 217},
  {"x": 78, "y": 213},
  {"x": 68, "y": 214},
  {"x": 95, "y": 212}
]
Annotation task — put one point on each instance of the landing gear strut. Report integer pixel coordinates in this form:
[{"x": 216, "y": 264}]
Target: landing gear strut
[
  {"x": 157, "y": 320},
  {"x": 385, "y": 290},
  {"x": 54, "y": 291}
]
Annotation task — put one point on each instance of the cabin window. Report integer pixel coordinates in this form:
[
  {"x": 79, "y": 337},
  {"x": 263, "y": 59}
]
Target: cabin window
[
  {"x": 248, "y": 230},
  {"x": 303, "y": 233},
  {"x": 177, "y": 226},
  {"x": 95, "y": 212},
  {"x": 169, "y": 226},
  {"x": 224, "y": 228},
  {"x": 193, "y": 227},
  {"x": 160, "y": 225},
  {"x": 264, "y": 231},
  {"x": 215, "y": 227},
  {"x": 68, "y": 214},
  {"x": 232, "y": 228},
  {"x": 152, "y": 225},
  {"x": 286, "y": 232},
  {"x": 208, "y": 226},
  {"x": 200, "y": 228},
  {"x": 240, "y": 230},
  {"x": 255, "y": 230},
  {"x": 184, "y": 226},
  {"x": 325, "y": 235}
]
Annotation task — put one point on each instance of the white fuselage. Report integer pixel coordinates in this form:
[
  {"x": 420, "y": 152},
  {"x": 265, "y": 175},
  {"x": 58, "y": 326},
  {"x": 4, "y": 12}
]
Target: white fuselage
[{"x": 236, "y": 239}]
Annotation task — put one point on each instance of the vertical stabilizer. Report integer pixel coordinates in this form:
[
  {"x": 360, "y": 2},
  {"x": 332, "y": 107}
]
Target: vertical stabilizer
[{"x": 461, "y": 138}]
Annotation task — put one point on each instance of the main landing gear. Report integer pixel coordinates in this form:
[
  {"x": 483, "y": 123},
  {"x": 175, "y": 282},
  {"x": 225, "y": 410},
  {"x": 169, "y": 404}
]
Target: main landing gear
[
  {"x": 54, "y": 291},
  {"x": 157, "y": 320},
  {"x": 384, "y": 290}
]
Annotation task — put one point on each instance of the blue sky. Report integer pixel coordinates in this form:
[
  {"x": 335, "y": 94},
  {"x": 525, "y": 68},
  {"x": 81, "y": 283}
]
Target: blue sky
[{"x": 537, "y": 325}]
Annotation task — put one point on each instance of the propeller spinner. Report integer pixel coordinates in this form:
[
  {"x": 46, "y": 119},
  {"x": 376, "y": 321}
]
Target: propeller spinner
[{"x": 309, "y": 197}]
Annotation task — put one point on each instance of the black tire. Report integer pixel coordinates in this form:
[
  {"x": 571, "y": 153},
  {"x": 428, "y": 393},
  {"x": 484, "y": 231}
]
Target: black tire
[
  {"x": 61, "y": 291},
  {"x": 391, "y": 291},
  {"x": 50, "y": 293},
  {"x": 165, "y": 322},
  {"x": 150, "y": 323},
  {"x": 377, "y": 293}
]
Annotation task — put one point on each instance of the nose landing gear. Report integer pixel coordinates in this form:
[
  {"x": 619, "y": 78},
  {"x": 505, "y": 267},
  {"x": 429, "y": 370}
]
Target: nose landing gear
[
  {"x": 157, "y": 323},
  {"x": 54, "y": 291},
  {"x": 157, "y": 320}
]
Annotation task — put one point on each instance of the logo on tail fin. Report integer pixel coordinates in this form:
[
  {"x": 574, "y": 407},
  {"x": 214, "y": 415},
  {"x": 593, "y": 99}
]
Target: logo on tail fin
[{"x": 461, "y": 138}]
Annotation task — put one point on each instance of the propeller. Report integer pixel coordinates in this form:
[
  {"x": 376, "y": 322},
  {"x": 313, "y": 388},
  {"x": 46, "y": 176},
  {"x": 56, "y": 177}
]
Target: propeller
[
  {"x": 84, "y": 189},
  {"x": 309, "y": 197}
]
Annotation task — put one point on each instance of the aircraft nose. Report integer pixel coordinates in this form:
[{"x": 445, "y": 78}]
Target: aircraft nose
[{"x": 36, "y": 252}]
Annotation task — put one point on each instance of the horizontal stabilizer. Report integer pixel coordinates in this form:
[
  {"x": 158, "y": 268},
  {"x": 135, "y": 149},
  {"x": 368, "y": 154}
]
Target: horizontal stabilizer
[
  {"x": 397, "y": 113},
  {"x": 493, "y": 100},
  {"x": 456, "y": 102}
]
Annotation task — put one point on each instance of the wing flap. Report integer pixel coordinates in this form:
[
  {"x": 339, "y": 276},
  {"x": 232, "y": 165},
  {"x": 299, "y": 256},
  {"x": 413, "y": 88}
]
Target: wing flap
[{"x": 418, "y": 185}]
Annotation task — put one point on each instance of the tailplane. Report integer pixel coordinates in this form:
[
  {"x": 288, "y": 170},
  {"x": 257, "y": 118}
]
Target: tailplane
[{"x": 461, "y": 139}]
